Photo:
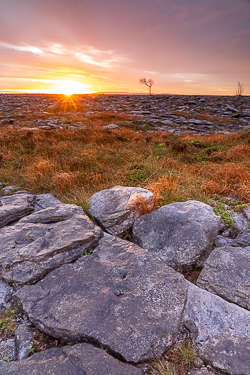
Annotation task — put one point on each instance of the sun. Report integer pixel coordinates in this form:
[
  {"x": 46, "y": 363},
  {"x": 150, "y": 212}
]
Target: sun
[{"x": 70, "y": 87}]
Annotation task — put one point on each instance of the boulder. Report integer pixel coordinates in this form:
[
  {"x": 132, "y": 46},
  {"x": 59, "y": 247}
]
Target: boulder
[
  {"x": 228, "y": 353},
  {"x": 81, "y": 359},
  {"x": 43, "y": 241},
  {"x": 117, "y": 208},
  {"x": 119, "y": 297},
  {"x": 13, "y": 207},
  {"x": 226, "y": 273},
  {"x": 180, "y": 233},
  {"x": 207, "y": 315}
]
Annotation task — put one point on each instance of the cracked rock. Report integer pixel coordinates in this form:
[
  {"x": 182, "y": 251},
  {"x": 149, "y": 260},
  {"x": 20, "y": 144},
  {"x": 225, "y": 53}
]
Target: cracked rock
[
  {"x": 76, "y": 302},
  {"x": 43, "y": 241},
  {"x": 181, "y": 234},
  {"x": 226, "y": 273}
]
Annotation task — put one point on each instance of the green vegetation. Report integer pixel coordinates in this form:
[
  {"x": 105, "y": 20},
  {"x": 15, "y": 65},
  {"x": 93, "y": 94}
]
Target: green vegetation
[
  {"x": 178, "y": 361},
  {"x": 88, "y": 252},
  {"x": 224, "y": 206},
  {"x": 32, "y": 351},
  {"x": 7, "y": 323}
]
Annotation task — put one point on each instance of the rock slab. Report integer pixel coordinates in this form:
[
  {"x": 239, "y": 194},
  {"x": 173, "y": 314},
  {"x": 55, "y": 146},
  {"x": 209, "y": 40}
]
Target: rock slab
[
  {"x": 43, "y": 241},
  {"x": 120, "y": 298},
  {"x": 181, "y": 234},
  {"x": 206, "y": 315},
  {"x": 14, "y": 207},
  {"x": 81, "y": 359},
  {"x": 228, "y": 353},
  {"x": 117, "y": 208},
  {"x": 226, "y": 273}
]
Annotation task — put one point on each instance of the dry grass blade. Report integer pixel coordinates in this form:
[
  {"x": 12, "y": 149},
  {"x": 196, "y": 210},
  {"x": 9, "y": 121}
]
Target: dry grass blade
[
  {"x": 160, "y": 367},
  {"x": 143, "y": 205}
]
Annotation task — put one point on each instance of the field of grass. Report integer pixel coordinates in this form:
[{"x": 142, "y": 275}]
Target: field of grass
[{"x": 73, "y": 165}]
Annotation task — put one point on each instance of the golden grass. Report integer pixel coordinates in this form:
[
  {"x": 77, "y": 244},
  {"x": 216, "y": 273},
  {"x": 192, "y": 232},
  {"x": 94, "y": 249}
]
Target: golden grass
[{"x": 75, "y": 164}]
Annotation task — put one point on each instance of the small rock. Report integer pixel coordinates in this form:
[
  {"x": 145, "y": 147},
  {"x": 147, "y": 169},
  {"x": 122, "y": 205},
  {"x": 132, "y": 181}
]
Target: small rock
[
  {"x": 222, "y": 241},
  {"x": 9, "y": 189},
  {"x": 8, "y": 350},
  {"x": 23, "y": 341},
  {"x": 5, "y": 292},
  {"x": 14, "y": 207},
  {"x": 45, "y": 200},
  {"x": 112, "y": 127}
]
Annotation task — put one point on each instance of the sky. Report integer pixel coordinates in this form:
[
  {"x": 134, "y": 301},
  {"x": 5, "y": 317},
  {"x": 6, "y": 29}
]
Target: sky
[{"x": 194, "y": 47}]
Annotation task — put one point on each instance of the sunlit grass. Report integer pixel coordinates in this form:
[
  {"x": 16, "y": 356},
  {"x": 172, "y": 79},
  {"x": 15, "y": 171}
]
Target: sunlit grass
[{"x": 75, "y": 164}]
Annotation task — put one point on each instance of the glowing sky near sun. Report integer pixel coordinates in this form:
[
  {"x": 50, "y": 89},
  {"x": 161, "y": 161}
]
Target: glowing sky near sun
[{"x": 82, "y": 46}]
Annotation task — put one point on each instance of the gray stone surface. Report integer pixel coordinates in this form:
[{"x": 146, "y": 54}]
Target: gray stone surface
[
  {"x": 228, "y": 353},
  {"x": 203, "y": 371},
  {"x": 181, "y": 234},
  {"x": 9, "y": 189},
  {"x": 81, "y": 359},
  {"x": 243, "y": 239},
  {"x": 240, "y": 221},
  {"x": 172, "y": 113},
  {"x": 222, "y": 241},
  {"x": 117, "y": 208},
  {"x": 112, "y": 127},
  {"x": 226, "y": 273},
  {"x": 12, "y": 208},
  {"x": 5, "y": 292},
  {"x": 45, "y": 200},
  {"x": 120, "y": 297},
  {"x": 7, "y": 350},
  {"x": 23, "y": 341},
  {"x": 206, "y": 315},
  {"x": 43, "y": 241}
]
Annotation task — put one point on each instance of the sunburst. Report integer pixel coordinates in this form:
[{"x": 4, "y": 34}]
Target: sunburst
[{"x": 70, "y": 87}]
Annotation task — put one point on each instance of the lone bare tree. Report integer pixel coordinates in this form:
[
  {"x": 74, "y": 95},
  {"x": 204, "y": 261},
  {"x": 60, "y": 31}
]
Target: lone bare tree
[
  {"x": 148, "y": 83},
  {"x": 240, "y": 89}
]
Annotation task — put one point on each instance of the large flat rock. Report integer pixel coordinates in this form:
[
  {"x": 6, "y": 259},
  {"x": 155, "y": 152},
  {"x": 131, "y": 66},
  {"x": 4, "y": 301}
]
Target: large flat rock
[
  {"x": 117, "y": 208},
  {"x": 81, "y": 359},
  {"x": 226, "y": 273},
  {"x": 14, "y": 207},
  {"x": 180, "y": 233},
  {"x": 206, "y": 315},
  {"x": 228, "y": 353},
  {"x": 219, "y": 328},
  {"x": 120, "y": 297},
  {"x": 44, "y": 240}
]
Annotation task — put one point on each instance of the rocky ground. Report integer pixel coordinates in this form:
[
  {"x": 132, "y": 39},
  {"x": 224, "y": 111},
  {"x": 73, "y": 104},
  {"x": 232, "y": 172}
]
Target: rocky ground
[
  {"x": 115, "y": 305},
  {"x": 177, "y": 114}
]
